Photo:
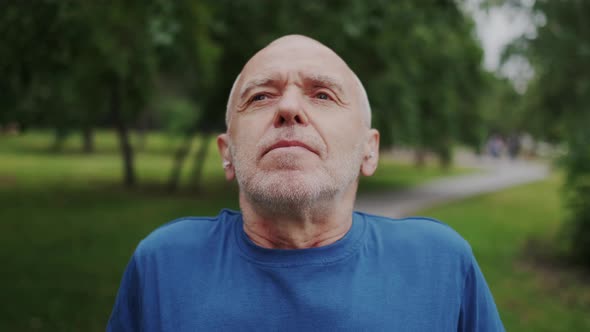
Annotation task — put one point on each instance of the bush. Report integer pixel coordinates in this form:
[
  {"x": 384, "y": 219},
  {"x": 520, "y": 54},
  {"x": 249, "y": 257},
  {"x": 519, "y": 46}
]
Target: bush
[{"x": 577, "y": 164}]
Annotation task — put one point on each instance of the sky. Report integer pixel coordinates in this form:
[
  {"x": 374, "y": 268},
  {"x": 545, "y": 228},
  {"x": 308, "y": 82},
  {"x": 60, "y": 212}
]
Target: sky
[{"x": 496, "y": 28}]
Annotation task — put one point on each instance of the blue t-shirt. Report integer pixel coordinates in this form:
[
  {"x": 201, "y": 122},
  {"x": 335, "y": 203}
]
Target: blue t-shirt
[{"x": 205, "y": 274}]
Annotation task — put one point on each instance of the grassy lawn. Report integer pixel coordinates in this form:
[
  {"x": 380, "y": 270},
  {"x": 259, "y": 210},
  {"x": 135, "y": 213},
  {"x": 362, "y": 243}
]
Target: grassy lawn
[
  {"x": 68, "y": 229},
  {"x": 497, "y": 226}
]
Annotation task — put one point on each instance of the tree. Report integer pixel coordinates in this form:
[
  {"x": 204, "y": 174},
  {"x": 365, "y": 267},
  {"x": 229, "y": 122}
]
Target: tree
[
  {"x": 420, "y": 63},
  {"x": 558, "y": 99},
  {"x": 81, "y": 61}
]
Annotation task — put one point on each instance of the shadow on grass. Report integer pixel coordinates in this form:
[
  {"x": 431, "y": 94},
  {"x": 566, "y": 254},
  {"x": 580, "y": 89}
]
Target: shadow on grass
[{"x": 555, "y": 271}]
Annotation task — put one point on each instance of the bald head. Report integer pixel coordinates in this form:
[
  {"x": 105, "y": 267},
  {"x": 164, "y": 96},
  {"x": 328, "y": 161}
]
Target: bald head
[
  {"x": 289, "y": 39},
  {"x": 291, "y": 43}
]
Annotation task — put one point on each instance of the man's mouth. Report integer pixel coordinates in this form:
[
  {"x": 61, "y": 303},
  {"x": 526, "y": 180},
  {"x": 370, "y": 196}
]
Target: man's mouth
[{"x": 288, "y": 144}]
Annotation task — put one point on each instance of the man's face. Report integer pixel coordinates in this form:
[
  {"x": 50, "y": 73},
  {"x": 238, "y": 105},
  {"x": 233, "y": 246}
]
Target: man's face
[{"x": 296, "y": 133}]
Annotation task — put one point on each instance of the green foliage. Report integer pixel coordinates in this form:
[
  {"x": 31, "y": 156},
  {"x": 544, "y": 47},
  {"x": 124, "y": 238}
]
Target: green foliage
[
  {"x": 420, "y": 63},
  {"x": 577, "y": 163},
  {"x": 72, "y": 64},
  {"x": 176, "y": 114},
  {"x": 501, "y": 109},
  {"x": 61, "y": 56},
  {"x": 558, "y": 101}
]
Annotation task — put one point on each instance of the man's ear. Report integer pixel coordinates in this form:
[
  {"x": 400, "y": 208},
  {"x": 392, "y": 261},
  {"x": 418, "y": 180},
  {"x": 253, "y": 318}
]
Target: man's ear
[
  {"x": 371, "y": 159},
  {"x": 227, "y": 164}
]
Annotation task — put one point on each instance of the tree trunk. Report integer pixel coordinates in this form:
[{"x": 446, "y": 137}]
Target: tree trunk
[
  {"x": 59, "y": 139},
  {"x": 420, "y": 157},
  {"x": 88, "y": 139},
  {"x": 445, "y": 158},
  {"x": 179, "y": 158},
  {"x": 123, "y": 134},
  {"x": 142, "y": 130},
  {"x": 445, "y": 154},
  {"x": 200, "y": 158}
]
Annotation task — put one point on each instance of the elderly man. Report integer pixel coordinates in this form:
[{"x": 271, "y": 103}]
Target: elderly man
[{"x": 297, "y": 258}]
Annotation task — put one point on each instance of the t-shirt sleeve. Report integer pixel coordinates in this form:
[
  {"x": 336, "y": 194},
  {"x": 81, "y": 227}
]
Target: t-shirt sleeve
[
  {"x": 478, "y": 310},
  {"x": 126, "y": 311}
]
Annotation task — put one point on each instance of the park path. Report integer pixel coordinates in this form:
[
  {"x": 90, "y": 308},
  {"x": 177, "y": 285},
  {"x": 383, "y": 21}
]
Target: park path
[{"x": 493, "y": 175}]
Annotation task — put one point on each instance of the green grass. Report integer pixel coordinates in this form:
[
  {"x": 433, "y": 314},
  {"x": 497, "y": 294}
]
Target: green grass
[
  {"x": 394, "y": 175},
  {"x": 28, "y": 162},
  {"x": 498, "y": 226},
  {"x": 67, "y": 228}
]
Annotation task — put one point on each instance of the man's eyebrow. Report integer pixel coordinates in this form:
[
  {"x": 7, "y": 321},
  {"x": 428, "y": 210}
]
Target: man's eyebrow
[
  {"x": 325, "y": 81},
  {"x": 257, "y": 82},
  {"x": 313, "y": 80}
]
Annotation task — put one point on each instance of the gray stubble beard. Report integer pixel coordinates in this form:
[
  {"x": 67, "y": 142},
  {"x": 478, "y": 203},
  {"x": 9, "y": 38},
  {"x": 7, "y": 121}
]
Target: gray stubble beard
[{"x": 293, "y": 194}]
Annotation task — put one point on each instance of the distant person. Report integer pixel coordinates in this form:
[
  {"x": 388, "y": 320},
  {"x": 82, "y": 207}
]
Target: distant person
[
  {"x": 495, "y": 146},
  {"x": 513, "y": 146},
  {"x": 296, "y": 257},
  {"x": 527, "y": 145}
]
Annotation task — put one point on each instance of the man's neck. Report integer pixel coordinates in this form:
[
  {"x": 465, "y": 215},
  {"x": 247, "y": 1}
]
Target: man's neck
[{"x": 315, "y": 226}]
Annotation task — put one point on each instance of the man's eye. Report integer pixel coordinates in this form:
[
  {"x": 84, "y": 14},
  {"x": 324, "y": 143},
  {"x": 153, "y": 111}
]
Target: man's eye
[
  {"x": 259, "y": 97},
  {"x": 323, "y": 96}
]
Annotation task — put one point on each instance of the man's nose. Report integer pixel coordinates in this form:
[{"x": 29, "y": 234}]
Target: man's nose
[{"x": 290, "y": 110}]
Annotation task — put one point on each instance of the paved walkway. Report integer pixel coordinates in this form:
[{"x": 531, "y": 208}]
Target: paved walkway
[{"x": 494, "y": 175}]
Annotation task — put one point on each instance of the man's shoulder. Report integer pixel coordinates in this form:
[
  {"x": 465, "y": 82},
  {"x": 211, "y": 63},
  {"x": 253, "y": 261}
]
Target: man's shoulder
[
  {"x": 418, "y": 232},
  {"x": 189, "y": 231}
]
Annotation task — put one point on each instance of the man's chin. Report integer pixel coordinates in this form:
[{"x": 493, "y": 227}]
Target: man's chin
[
  {"x": 285, "y": 175},
  {"x": 289, "y": 189},
  {"x": 299, "y": 168}
]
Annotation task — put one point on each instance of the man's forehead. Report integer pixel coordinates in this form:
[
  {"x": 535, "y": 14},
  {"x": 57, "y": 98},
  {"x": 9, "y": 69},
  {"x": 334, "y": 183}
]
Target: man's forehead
[
  {"x": 297, "y": 44},
  {"x": 295, "y": 54},
  {"x": 304, "y": 75},
  {"x": 301, "y": 58}
]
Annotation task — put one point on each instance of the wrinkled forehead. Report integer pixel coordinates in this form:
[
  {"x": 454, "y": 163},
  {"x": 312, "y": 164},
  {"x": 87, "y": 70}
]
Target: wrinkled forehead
[{"x": 297, "y": 59}]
